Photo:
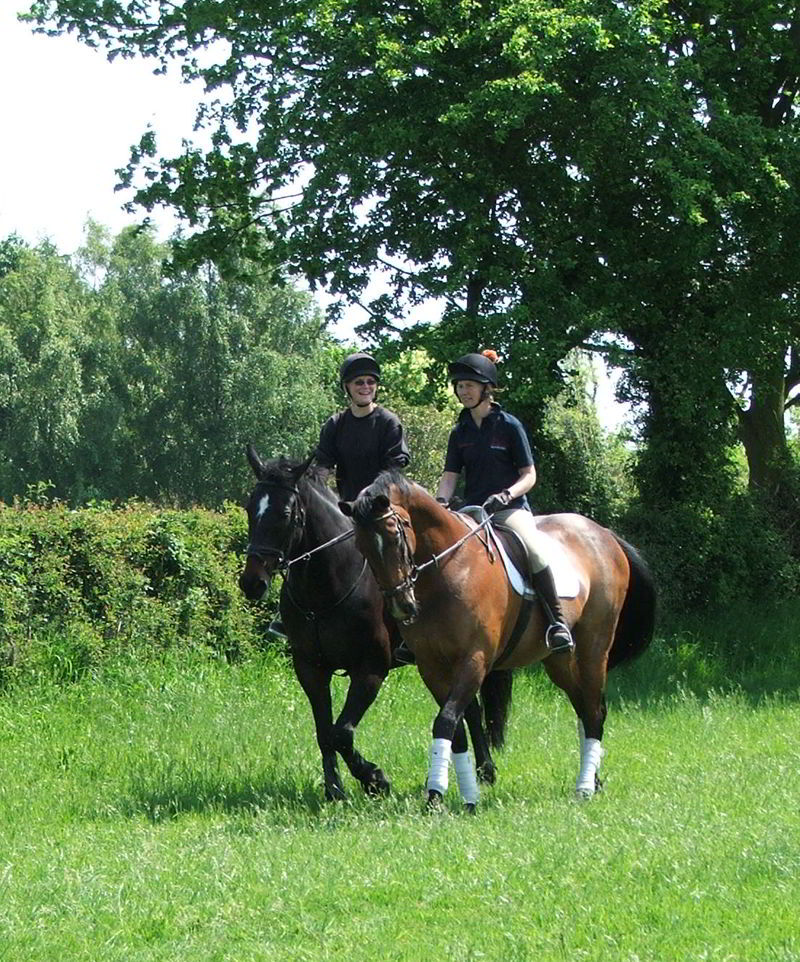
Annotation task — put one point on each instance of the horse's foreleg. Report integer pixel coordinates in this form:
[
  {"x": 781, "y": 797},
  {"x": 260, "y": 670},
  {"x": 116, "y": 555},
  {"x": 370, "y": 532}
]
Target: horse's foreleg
[
  {"x": 364, "y": 687},
  {"x": 465, "y": 770},
  {"x": 480, "y": 743},
  {"x": 443, "y": 751},
  {"x": 450, "y": 741},
  {"x": 591, "y": 754},
  {"x": 316, "y": 682}
]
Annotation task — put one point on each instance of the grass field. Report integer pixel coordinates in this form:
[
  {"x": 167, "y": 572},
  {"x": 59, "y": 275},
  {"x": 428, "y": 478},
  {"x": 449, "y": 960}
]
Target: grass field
[{"x": 174, "y": 811}]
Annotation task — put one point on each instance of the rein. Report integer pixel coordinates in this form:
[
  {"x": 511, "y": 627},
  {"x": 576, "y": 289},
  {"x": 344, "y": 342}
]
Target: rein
[
  {"x": 415, "y": 570},
  {"x": 284, "y": 566}
]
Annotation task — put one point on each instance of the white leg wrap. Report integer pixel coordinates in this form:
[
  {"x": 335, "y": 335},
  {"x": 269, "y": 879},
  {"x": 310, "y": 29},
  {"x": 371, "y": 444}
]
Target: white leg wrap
[
  {"x": 591, "y": 756},
  {"x": 467, "y": 780},
  {"x": 440, "y": 760}
]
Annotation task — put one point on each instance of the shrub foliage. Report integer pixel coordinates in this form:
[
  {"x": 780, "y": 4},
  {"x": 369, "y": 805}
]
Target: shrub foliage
[{"x": 79, "y": 586}]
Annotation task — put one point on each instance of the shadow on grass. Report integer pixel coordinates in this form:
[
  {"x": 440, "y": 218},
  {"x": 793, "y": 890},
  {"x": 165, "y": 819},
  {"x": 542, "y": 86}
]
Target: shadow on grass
[
  {"x": 191, "y": 794},
  {"x": 169, "y": 794},
  {"x": 166, "y": 796}
]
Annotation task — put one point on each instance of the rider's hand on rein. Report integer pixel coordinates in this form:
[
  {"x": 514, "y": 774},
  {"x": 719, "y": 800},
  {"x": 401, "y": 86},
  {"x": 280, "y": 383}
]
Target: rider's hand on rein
[{"x": 497, "y": 502}]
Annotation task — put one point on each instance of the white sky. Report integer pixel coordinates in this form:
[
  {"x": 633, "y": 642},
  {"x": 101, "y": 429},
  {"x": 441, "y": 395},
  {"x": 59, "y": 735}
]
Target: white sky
[{"x": 69, "y": 119}]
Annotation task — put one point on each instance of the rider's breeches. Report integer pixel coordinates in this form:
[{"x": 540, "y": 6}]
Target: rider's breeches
[{"x": 524, "y": 523}]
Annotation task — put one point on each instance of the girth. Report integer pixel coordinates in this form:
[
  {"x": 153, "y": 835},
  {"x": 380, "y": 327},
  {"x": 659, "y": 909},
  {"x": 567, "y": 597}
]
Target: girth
[{"x": 516, "y": 553}]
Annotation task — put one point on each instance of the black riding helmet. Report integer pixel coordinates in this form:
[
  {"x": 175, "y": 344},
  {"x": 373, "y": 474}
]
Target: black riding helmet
[
  {"x": 473, "y": 367},
  {"x": 357, "y": 365}
]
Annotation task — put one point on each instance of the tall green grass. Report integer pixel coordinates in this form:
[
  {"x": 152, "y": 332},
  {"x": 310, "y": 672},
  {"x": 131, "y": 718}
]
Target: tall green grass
[{"x": 173, "y": 810}]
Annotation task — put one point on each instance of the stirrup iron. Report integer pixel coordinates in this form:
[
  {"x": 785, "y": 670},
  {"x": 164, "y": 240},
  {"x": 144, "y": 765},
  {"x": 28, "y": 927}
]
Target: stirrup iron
[{"x": 561, "y": 645}]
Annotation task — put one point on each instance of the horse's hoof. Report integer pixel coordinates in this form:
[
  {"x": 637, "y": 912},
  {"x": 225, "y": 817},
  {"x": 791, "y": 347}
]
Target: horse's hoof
[
  {"x": 470, "y": 808},
  {"x": 377, "y": 784},
  {"x": 583, "y": 794},
  {"x": 487, "y": 774},
  {"x": 334, "y": 793},
  {"x": 434, "y": 803}
]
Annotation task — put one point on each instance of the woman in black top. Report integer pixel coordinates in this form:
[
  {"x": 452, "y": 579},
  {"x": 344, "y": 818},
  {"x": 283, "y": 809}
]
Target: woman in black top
[
  {"x": 360, "y": 441},
  {"x": 365, "y": 438},
  {"x": 491, "y": 448}
]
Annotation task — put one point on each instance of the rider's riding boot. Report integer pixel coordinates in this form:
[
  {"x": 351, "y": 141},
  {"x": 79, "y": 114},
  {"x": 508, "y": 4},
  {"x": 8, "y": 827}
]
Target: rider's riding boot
[
  {"x": 557, "y": 637},
  {"x": 403, "y": 655},
  {"x": 276, "y": 631}
]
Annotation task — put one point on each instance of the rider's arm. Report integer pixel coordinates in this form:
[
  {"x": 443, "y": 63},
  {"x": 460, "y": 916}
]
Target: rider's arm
[
  {"x": 526, "y": 480},
  {"x": 395, "y": 450},
  {"x": 327, "y": 455},
  {"x": 447, "y": 485}
]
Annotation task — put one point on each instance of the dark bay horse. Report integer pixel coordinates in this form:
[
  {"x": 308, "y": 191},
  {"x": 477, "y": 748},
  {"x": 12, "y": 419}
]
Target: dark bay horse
[
  {"x": 333, "y": 613},
  {"x": 449, "y": 590}
]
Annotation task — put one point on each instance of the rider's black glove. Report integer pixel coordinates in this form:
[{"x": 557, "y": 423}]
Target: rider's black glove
[{"x": 497, "y": 502}]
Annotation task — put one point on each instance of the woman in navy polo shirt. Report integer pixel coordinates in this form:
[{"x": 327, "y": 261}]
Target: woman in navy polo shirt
[{"x": 490, "y": 446}]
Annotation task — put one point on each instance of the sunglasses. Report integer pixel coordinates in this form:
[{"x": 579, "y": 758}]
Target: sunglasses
[{"x": 361, "y": 381}]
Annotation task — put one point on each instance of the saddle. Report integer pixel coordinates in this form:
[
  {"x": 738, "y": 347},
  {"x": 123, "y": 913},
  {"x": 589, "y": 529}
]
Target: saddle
[{"x": 512, "y": 551}]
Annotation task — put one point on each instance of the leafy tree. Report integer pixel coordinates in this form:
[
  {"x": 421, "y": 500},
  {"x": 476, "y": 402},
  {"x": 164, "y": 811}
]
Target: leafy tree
[
  {"x": 580, "y": 466},
  {"x": 549, "y": 171},
  {"x": 11, "y": 249},
  {"x": 119, "y": 380},
  {"x": 43, "y": 305},
  {"x": 203, "y": 366}
]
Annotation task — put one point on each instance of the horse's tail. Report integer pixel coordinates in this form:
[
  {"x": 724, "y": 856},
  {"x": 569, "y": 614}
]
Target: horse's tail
[
  {"x": 637, "y": 618},
  {"x": 496, "y": 703}
]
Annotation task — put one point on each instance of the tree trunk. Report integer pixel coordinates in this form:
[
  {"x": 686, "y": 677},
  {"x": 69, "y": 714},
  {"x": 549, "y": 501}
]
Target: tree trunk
[{"x": 762, "y": 432}]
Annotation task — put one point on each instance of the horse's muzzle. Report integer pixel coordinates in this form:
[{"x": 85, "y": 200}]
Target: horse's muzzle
[
  {"x": 255, "y": 577},
  {"x": 404, "y": 608}
]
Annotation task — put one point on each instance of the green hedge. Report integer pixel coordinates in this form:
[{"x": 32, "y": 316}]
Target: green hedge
[{"x": 80, "y": 586}]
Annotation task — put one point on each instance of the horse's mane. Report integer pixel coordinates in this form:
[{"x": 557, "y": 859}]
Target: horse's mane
[
  {"x": 281, "y": 471},
  {"x": 386, "y": 480}
]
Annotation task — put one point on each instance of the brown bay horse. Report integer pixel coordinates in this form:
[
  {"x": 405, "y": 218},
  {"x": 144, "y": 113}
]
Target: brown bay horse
[
  {"x": 333, "y": 614},
  {"x": 445, "y": 582}
]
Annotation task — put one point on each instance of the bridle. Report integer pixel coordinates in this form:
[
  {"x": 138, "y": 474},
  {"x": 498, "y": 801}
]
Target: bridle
[
  {"x": 407, "y": 558},
  {"x": 284, "y": 564},
  {"x": 296, "y": 524}
]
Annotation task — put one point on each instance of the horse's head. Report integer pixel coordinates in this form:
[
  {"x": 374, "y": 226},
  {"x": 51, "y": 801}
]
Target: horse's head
[
  {"x": 385, "y": 536},
  {"x": 275, "y": 519}
]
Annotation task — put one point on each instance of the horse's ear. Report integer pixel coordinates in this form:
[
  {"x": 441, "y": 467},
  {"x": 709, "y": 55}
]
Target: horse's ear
[
  {"x": 255, "y": 461},
  {"x": 301, "y": 468},
  {"x": 346, "y": 507},
  {"x": 380, "y": 504}
]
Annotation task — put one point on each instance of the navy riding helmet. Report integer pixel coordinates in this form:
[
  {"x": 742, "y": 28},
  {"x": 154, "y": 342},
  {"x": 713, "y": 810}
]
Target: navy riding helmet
[
  {"x": 473, "y": 367},
  {"x": 358, "y": 365}
]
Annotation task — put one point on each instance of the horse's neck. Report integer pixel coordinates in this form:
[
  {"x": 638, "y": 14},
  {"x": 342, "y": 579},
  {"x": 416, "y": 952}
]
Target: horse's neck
[
  {"x": 435, "y": 527},
  {"x": 323, "y": 521}
]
